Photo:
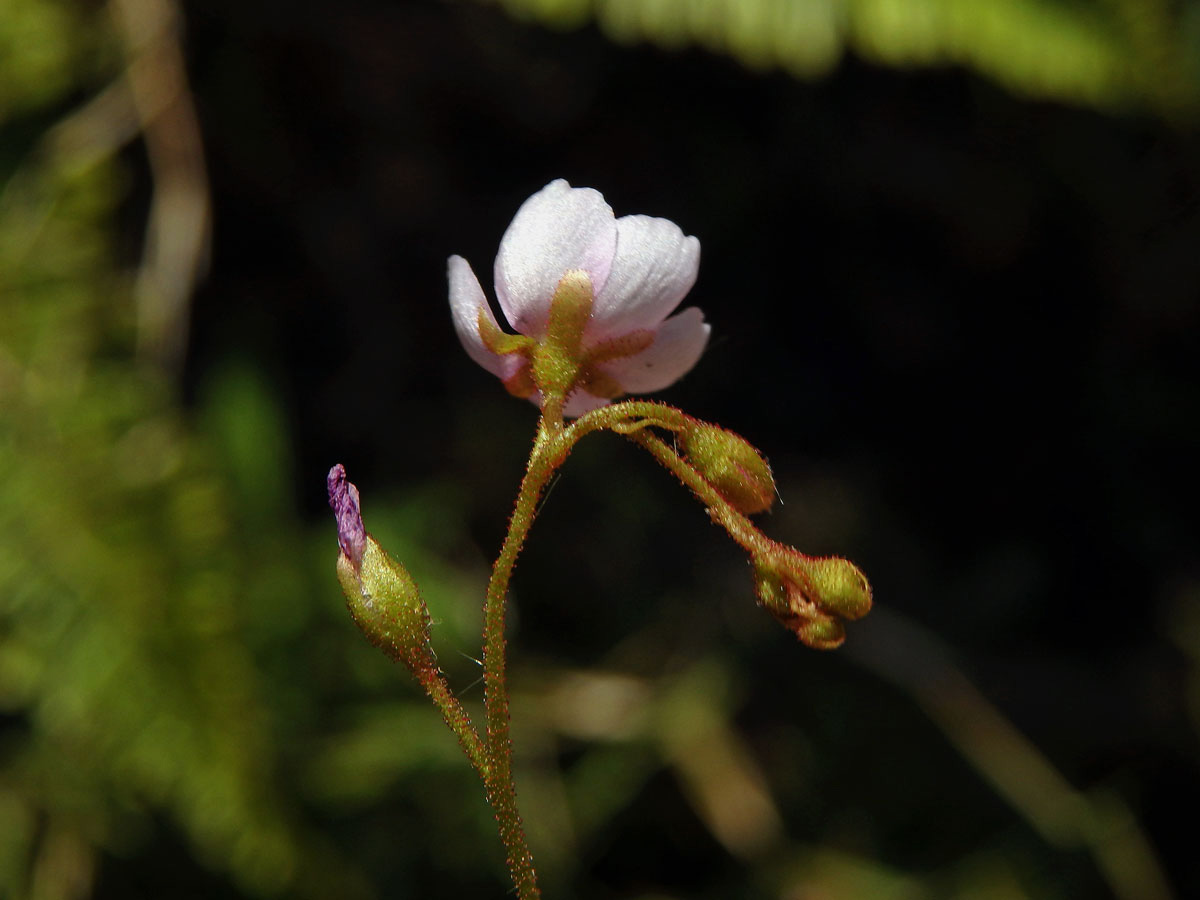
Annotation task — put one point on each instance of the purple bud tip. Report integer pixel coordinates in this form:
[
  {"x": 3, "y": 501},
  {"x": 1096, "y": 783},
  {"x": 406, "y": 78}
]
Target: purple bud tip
[{"x": 343, "y": 498}]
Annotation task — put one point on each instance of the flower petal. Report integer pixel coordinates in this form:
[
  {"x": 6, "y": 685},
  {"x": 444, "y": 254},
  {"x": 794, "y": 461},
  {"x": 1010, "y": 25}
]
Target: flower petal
[
  {"x": 581, "y": 402},
  {"x": 558, "y": 228},
  {"x": 655, "y": 267},
  {"x": 466, "y": 301},
  {"x": 578, "y": 403},
  {"x": 676, "y": 348}
]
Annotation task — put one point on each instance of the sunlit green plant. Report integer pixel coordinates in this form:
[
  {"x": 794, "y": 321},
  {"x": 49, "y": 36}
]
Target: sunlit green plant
[{"x": 591, "y": 298}]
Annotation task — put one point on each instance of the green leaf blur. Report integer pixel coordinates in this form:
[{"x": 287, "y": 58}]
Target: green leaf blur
[{"x": 1125, "y": 54}]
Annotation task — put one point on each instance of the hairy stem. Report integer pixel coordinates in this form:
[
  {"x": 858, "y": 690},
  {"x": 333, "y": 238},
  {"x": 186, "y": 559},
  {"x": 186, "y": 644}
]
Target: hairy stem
[
  {"x": 621, "y": 416},
  {"x": 456, "y": 718},
  {"x": 740, "y": 528},
  {"x": 549, "y": 450}
]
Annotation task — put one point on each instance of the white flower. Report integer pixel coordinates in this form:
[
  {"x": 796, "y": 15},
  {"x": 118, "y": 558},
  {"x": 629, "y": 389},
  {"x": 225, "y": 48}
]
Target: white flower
[{"x": 639, "y": 267}]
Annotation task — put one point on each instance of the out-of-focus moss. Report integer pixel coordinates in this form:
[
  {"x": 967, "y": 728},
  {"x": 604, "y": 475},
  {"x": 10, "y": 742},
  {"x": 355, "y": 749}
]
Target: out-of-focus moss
[
  {"x": 128, "y": 683},
  {"x": 1126, "y": 55}
]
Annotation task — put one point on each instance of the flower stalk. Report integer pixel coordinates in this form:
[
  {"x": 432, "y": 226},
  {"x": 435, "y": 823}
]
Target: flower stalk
[
  {"x": 549, "y": 450},
  {"x": 807, "y": 595}
]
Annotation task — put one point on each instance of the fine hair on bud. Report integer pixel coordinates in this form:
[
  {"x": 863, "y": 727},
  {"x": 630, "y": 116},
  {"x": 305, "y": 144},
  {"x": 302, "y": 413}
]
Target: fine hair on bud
[
  {"x": 387, "y": 606},
  {"x": 839, "y": 585},
  {"x": 732, "y": 465},
  {"x": 810, "y": 596}
]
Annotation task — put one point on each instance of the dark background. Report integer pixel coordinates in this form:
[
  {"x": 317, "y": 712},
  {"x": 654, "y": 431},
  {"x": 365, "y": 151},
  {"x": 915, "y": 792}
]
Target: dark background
[{"x": 960, "y": 321}]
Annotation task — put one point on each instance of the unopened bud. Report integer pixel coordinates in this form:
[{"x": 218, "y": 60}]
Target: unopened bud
[
  {"x": 810, "y": 595},
  {"x": 821, "y": 633},
  {"x": 732, "y": 465},
  {"x": 839, "y": 586},
  {"x": 386, "y": 605},
  {"x": 382, "y": 597}
]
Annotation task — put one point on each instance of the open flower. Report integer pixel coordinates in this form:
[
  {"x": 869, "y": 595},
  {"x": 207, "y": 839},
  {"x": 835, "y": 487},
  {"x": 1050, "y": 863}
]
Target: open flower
[{"x": 631, "y": 273}]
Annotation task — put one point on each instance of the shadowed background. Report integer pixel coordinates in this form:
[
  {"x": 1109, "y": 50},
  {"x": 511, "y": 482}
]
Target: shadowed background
[{"x": 950, "y": 261}]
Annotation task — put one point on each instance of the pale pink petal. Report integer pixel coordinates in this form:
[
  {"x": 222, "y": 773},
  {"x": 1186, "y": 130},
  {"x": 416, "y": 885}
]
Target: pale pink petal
[
  {"x": 558, "y": 228},
  {"x": 676, "y": 348},
  {"x": 466, "y": 300},
  {"x": 576, "y": 405},
  {"x": 581, "y": 402},
  {"x": 654, "y": 268}
]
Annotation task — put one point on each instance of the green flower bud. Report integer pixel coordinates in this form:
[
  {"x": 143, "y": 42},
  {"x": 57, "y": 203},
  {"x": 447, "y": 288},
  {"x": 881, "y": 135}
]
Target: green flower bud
[
  {"x": 385, "y": 604},
  {"x": 732, "y": 465},
  {"x": 821, "y": 633},
  {"x": 383, "y": 599},
  {"x": 840, "y": 586},
  {"x": 810, "y": 596}
]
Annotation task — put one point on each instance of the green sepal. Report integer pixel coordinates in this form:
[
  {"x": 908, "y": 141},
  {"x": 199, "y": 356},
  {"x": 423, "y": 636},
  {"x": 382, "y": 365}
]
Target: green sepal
[
  {"x": 501, "y": 342},
  {"x": 821, "y": 633},
  {"x": 772, "y": 591},
  {"x": 559, "y": 357},
  {"x": 386, "y": 605}
]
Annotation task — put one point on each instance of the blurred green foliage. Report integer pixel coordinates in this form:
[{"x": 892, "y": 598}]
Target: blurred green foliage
[
  {"x": 127, "y": 665},
  {"x": 1120, "y": 54},
  {"x": 42, "y": 47},
  {"x": 146, "y": 570}
]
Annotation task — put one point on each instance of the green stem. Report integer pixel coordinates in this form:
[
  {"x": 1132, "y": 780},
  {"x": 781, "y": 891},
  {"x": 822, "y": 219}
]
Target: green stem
[
  {"x": 434, "y": 683},
  {"x": 550, "y": 448},
  {"x": 620, "y": 414},
  {"x": 740, "y": 528}
]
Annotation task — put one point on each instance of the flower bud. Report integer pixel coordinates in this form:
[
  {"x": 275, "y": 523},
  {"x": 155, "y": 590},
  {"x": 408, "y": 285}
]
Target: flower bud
[
  {"x": 840, "y": 585},
  {"x": 809, "y": 595},
  {"x": 821, "y": 633},
  {"x": 732, "y": 465},
  {"x": 386, "y": 605},
  {"x": 382, "y": 597}
]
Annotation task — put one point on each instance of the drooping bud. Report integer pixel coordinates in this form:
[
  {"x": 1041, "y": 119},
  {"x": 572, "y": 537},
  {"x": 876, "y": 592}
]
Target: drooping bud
[
  {"x": 809, "y": 595},
  {"x": 732, "y": 465},
  {"x": 382, "y": 597},
  {"x": 840, "y": 585}
]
